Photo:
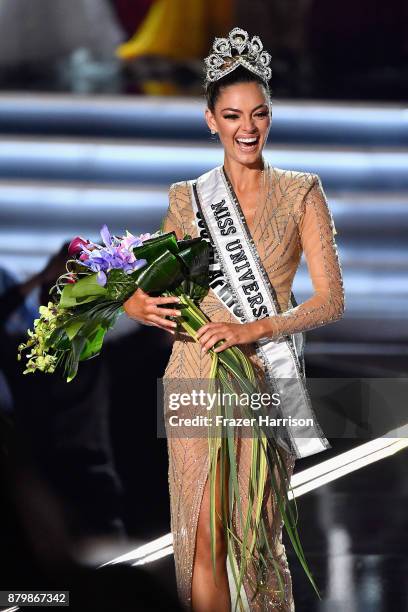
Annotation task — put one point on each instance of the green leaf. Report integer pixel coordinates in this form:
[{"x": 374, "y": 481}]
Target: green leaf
[
  {"x": 77, "y": 345},
  {"x": 154, "y": 247},
  {"x": 93, "y": 344},
  {"x": 195, "y": 257},
  {"x": 67, "y": 300},
  {"x": 162, "y": 274},
  {"x": 87, "y": 285},
  {"x": 85, "y": 290},
  {"x": 120, "y": 286},
  {"x": 57, "y": 339},
  {"x": 72, "y": 329}
]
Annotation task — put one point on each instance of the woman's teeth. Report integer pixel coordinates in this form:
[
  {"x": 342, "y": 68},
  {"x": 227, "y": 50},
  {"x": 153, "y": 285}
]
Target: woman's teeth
[{"x": 247, "y": 144}]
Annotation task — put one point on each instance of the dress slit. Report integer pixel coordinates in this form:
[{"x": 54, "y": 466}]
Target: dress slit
[{"x": 185, "y": 518}]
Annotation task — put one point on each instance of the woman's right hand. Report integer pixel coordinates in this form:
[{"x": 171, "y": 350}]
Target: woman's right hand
[{"x": 149, "y": 311}]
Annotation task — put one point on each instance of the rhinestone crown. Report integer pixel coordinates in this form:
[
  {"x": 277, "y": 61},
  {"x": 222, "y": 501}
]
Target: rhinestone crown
[{"x": 228, "y": 53}]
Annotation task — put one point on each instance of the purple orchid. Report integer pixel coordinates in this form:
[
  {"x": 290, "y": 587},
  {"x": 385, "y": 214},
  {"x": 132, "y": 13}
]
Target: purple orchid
[{"x": 115, "y": 254}]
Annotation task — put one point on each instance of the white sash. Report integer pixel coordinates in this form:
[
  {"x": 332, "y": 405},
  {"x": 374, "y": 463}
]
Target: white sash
[{"x": 240, "y": 282}]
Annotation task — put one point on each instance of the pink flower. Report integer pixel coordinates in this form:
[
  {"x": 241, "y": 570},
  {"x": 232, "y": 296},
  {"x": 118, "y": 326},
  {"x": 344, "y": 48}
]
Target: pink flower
[
  {"x": 76, "y": 245},
  {"x": 71, "y": 278},
  {"x": 130, "y": 241}
]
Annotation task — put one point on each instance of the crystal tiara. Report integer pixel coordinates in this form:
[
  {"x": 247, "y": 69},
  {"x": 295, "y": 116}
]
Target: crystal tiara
[{"x": 228, "y": 53}]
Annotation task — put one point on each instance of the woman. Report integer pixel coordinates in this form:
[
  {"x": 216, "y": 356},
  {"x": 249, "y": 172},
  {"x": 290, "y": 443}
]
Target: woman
[{"x": 277, "y": 214}]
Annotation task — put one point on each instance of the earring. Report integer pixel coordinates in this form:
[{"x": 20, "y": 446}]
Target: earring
[{"x": 213, "y": 132}]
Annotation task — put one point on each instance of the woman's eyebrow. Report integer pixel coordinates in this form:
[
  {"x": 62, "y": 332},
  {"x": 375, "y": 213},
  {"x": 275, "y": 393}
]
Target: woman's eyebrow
[{"x": 236, "y": 110}]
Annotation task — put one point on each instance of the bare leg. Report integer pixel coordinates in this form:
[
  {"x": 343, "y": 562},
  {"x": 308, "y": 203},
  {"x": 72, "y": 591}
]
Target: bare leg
[{"x": 206, "y": 593}]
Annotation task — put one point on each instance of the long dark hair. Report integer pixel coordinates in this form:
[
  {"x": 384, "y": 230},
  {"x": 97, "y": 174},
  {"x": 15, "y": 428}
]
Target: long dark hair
[{"x": 212, "y": 89}]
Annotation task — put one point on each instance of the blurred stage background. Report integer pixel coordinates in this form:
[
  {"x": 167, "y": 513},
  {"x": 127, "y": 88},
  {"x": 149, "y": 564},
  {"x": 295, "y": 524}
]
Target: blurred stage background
[{"x": 100, "y": 111}]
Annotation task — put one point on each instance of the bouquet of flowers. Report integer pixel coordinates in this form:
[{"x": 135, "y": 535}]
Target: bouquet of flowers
[
  {"x": 86, "y": 302},
  {"x": 89, "y": 297}
]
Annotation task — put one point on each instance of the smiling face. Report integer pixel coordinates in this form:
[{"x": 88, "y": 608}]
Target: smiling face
[{"x": 242, "y": 118}]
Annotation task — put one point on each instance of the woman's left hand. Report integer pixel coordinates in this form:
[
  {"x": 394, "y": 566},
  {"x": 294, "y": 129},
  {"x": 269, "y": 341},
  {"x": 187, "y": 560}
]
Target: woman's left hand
[{"x": 231, "y": 333}]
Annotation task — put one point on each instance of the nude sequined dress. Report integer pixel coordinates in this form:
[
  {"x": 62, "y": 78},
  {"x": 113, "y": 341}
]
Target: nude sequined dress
[{"x": 294, "y": 217}]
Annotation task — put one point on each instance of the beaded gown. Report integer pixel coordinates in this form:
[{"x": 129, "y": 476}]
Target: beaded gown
[{"x": 292, "y": 218}]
